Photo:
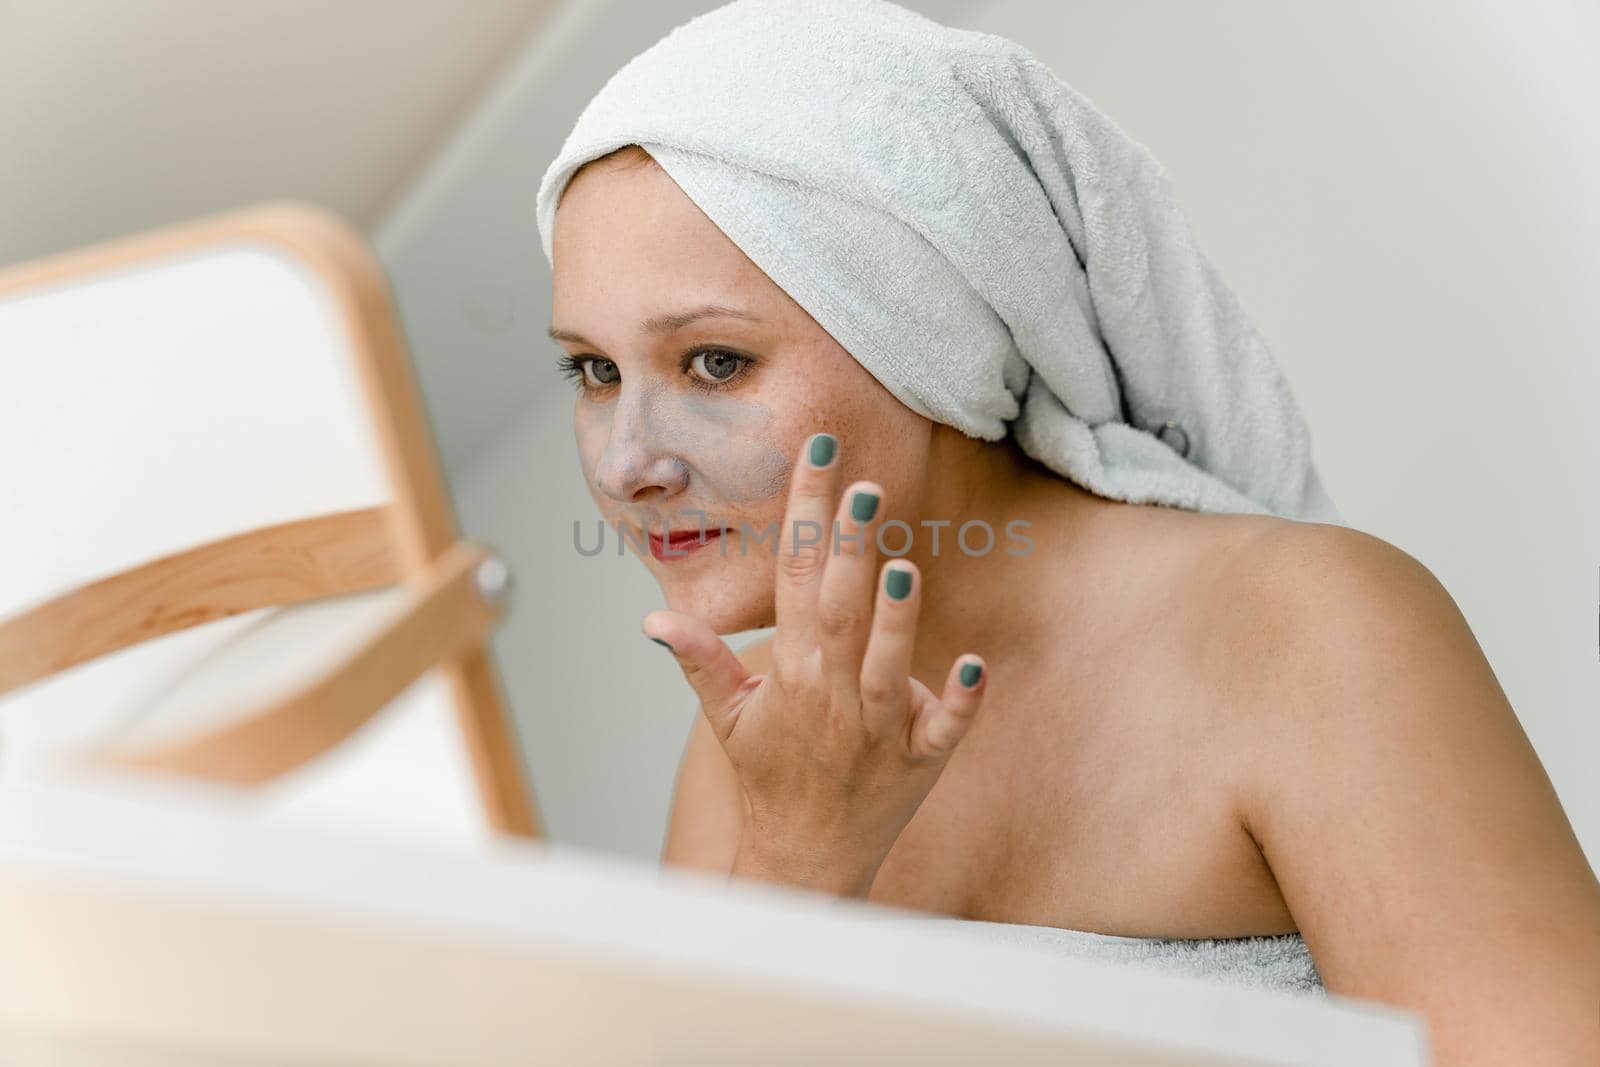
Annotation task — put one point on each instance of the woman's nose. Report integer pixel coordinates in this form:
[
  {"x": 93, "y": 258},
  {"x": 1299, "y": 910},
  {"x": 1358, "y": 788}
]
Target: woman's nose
[{"x": 638, "y": 457}]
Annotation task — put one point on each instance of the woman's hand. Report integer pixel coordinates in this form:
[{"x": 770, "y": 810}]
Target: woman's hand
[{"x": 836, "y": 745}]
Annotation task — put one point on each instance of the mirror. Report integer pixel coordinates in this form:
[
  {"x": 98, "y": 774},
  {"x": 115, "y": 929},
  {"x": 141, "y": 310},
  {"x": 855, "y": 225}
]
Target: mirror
[{"x": 230, "y": 396}]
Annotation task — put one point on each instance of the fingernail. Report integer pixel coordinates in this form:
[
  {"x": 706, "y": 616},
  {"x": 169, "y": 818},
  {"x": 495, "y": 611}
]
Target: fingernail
[
  {"x": 863, "y": 506},
  {"x": 970, "y": 673},
  {"x": 662, "y": 643},
  {"x": 897, "y": 583},
  {"x": 822, "y": 448}
]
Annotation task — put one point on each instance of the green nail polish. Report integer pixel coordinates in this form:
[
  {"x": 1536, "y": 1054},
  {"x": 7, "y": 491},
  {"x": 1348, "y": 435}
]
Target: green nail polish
[
  {"x": 863, "y": 506},
  {"x": 970, "y": 673},
  {"x": 662, "y": 643},
  {"x": 897, "y": 583},
  {"x": 822, "y": 449}
]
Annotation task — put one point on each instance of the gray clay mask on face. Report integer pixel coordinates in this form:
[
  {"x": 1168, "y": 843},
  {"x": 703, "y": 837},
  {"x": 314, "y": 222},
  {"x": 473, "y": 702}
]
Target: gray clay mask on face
[{"x": 663, "y": 436}]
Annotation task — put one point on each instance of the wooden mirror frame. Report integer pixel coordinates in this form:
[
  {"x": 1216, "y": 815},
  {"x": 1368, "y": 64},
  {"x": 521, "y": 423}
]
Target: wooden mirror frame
[{"x": 455, "y": 590}]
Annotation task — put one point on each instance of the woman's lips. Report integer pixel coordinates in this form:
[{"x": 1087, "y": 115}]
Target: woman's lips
[{"x": 680, "y": 544}]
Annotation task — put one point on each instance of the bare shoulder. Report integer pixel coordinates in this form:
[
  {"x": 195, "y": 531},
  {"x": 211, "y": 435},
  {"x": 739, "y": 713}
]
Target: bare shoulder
[
  {"x": 707, "y": 811},
  {"x": 1324, "y": 616},
  {"x": 1296, "y": 586},
  {"x": 1326, "y": 635},
  {"x": 1408, "y": 822}
]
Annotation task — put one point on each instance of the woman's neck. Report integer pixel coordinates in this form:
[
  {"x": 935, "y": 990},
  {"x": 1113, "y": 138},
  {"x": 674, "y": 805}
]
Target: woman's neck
[{"x": 1003, "y": 604}]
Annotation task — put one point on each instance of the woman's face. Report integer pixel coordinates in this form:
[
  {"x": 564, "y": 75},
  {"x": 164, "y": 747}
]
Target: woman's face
[{"x": 678, "y": 416}]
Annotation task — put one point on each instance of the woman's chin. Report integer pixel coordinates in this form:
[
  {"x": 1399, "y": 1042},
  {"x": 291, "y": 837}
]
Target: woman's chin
[{"x": 725, "y": 611}]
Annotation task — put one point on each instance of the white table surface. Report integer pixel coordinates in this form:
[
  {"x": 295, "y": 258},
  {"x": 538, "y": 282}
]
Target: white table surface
[{"x": 140, "y": 916}]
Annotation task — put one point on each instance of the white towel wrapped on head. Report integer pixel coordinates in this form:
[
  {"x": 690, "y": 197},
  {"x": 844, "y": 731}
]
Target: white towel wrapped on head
[{"x": 976, "y": 234}]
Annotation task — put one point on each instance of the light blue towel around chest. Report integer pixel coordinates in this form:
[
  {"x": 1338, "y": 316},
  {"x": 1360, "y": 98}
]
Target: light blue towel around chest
[{"x": 1280, "y": 962}]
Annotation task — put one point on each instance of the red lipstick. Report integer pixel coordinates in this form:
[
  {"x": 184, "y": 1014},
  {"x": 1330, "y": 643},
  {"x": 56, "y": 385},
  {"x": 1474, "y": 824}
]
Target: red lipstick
[{"x": 680, "y": 544}]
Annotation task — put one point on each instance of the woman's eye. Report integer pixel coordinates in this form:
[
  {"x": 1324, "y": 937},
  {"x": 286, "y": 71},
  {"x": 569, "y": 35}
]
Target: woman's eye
[
  {"x": 602, "y": 371},
  {"x": 713, "y": 369},
  {"x": 716, "y": 365}
]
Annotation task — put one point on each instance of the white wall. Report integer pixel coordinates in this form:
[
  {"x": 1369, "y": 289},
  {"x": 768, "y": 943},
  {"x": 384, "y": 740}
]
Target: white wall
[{"x": 1400, "y": 194}]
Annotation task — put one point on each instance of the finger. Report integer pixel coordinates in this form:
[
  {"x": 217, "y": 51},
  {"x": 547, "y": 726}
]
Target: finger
[
  {"x": 803, "y": 546},
  {"x": 885, "y": 681},
  {"x": 940, "y": 726},
  {"x": 844, "y": 602},
  {"x": 712, "y": 669}
]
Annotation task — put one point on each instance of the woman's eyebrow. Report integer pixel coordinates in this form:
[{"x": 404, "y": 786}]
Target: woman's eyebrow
[{"x": 665, "y": 322}]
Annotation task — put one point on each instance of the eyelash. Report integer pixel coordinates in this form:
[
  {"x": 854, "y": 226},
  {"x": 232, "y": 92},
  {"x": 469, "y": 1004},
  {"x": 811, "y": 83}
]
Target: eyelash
[{"x": 572, "y": 368}]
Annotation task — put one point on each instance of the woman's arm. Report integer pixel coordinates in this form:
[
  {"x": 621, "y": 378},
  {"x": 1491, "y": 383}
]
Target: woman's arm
[{"x": 1410, "y": 826}]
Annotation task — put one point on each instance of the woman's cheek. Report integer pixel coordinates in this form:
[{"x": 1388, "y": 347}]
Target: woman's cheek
[
  {"x": 730, "y": 441},
  {"x": 592, "y": 428}
]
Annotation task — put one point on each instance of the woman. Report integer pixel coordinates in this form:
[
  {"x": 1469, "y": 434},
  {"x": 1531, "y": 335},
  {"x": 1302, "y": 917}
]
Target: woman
[{"x": 1125, "y": 717}]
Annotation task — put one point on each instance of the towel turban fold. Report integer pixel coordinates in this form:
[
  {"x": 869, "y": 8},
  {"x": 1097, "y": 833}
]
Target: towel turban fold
[{"x": 987, "y": 244}]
